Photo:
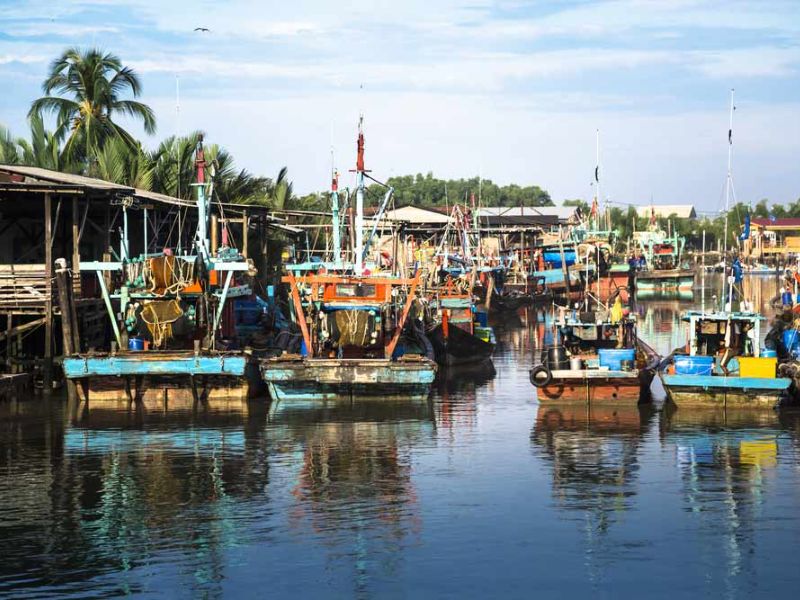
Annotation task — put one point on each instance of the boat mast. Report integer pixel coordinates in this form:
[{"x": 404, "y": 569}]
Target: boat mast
[
  {"x": 598, "y": 196},
  {"x": 729, "y": 180},
  {"x": 337, "y": 234},
  {"x": 358, "y": 258},
  {"x": 201, "y": 240},
  {"x": 728, "y": 189}
]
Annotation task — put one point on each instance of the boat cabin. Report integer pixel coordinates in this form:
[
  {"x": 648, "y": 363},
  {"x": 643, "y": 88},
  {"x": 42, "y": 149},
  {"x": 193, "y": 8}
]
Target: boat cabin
[{"x": 712, "y": 333}]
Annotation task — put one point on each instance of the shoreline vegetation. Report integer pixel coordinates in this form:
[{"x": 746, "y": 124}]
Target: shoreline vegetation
[{"x": 87, "y": 89}]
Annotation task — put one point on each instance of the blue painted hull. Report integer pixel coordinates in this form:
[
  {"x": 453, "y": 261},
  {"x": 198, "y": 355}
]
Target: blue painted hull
[
  {"x": 716, "y": 390},
  {"x": 154, "y": 363},
  {"x": 332, "y": 379}
]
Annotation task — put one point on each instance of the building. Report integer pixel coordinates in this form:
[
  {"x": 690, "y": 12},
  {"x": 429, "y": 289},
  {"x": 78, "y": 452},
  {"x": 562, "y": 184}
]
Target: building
[
  {"x": 663, "y": 211},
  {"x": 774, "y": 237}
]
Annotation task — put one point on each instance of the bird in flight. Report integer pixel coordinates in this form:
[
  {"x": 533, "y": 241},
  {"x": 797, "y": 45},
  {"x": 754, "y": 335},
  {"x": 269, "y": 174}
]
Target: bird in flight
[{"x": 201, "y": 29}]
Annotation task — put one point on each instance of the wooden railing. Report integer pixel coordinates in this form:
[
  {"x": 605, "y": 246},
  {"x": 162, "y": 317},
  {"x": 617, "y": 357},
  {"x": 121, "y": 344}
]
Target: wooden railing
[{"x": 23, "y": 288}]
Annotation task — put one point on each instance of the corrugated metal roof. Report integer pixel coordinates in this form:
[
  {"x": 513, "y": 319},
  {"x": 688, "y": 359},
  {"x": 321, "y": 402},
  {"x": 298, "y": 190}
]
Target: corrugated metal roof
[
  {"x": 40, "y": 174},
  {"x": 792, "y": 222}
]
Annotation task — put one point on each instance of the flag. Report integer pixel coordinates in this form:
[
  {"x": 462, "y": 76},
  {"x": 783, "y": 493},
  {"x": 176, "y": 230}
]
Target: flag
[{"x": 595, "y": 208}]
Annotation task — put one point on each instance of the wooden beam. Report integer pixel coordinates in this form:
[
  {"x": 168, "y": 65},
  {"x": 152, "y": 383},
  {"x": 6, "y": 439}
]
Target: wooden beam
[
  {"x": 245, "y": 231},
  {"x": 399, "y": 329},
  {"x": 48, "y": 275},
  {"x": 301, "y": 317}
]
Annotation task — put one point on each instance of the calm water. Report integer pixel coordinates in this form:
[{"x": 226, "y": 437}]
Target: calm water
[{"x": 480, "y": 493}]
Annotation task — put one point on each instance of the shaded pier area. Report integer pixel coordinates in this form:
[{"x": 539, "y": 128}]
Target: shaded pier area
[{"x": 47, "y": 215}]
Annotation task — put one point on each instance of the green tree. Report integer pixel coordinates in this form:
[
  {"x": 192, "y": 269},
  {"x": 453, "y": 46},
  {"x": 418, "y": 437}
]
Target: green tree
[{"x": 85, "y": 90}]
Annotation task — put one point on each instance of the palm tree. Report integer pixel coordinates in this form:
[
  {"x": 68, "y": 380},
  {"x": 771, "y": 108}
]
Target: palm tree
[
  {"x": 119, "y": 163},
  {"x": 9, "y": 148},
  {"x": 94, "y": 83},
  {"x": 44, "y": 149}
]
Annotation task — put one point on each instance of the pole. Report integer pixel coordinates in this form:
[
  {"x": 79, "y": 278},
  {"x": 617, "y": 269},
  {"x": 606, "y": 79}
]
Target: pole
[
  {"x": 597, "y": 178},
  {"x": 358, "y": 259},
  {"x": 47, "y": 370},
  {"x": 703, "y": 276},
  {"x": 63, "y": 282},
  {"x": 564, "y": 267},
  {"x": 728, "y": 183}
]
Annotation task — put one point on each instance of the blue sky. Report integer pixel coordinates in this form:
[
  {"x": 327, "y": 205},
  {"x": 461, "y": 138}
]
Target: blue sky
[{"x": 511, "y": 90}]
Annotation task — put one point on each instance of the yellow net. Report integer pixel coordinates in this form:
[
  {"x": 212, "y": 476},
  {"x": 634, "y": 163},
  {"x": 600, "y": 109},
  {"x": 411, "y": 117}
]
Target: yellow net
[{"x": 159, "y": 315}]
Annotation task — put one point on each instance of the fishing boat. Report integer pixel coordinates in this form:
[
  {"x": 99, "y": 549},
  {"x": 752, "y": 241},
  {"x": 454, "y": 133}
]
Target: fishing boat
[
  {"x": 169, "y": 313},
  {"x": 723, "y": 364},
  {"x": 597, "y": 358},
  {"x": 662, "y": 253},
  {"x": 351, "y": 321},
  {"x": 461, "y": 333}
]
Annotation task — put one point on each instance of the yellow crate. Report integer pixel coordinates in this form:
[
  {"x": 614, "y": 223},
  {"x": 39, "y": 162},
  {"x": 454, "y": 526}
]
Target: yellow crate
[{"x": 750, "y": 366}]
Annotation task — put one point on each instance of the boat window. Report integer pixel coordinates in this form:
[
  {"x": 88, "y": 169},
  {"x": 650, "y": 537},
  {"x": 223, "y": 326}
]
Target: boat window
[{"x": 355, "y": 290}]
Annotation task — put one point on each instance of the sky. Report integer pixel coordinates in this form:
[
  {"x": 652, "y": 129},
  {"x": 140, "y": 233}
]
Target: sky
[{"x": 508, "y": 90}]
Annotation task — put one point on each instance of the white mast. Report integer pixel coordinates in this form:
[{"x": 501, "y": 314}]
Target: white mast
[
  {"x": 729, "y": 179},
  {"x": 599, "y": 196}
]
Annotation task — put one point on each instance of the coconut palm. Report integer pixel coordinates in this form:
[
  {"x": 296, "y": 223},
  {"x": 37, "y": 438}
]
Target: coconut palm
[
  {"x": 9, "y": 148},
  {"x": 119, "y": 163},
  {"x": 85, "y": 90},
  {"x": 43, "y": 149}
]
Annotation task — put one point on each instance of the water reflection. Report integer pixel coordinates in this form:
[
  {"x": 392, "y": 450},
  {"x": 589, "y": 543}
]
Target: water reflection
[
  {"x": 593, "y": 455},
  {"x": 107, "y": 494},
  {"x": 354, "y": 488},
  {"x": 728, "y": 464}
]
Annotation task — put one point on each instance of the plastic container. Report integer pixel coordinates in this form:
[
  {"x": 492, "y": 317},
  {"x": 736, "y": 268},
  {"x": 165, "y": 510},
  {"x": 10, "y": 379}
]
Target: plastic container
[
  {"x": 613, "y": 357},
  {"x": 694, "y": 365},
  {"x": 482, "y": 317},
  {"x": 791, "y": 340},
  {"x": 136, "y": 344},
  {"x": 769, "y": 353},
  {"x": 576, "y": 363},
  {"x": 764, "y": 367}
]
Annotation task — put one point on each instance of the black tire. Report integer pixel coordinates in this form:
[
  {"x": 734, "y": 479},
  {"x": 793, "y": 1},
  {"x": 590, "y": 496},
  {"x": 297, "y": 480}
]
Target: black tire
[{"x": 537, "y": 381}]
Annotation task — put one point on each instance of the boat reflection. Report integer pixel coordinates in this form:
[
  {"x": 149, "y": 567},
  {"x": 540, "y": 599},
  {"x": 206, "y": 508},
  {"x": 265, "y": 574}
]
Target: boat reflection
[
  {"x": 354, "y": 486},
  {"x": 728, "y": 464},
  {"x": 106, "y": 493},
  {"x": 593, "y": 454}
]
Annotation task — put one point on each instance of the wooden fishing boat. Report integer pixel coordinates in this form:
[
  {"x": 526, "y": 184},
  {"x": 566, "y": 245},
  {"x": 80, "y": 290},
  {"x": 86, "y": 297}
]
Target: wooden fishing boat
[
  {"x": 601, "y": 360},
  {"x": 457, "y": 337},
  {"x": 708, "y": 374},
  {"x": 662, "y": 255},
  {"x": 169, "y": 313},
  {"x": 351, "y": 323}
]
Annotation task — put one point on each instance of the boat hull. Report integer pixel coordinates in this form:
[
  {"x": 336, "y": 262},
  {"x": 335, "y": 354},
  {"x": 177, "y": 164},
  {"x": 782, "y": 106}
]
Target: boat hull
[
  {"x": 714, "y": 390},
  {"x": 331, "y": 379},
  {"x": 159, "y": 377},
  {"x": 681, "y": 279},
  {"x": 460, "y": 347},
  {"x": 590, "y": 386}
]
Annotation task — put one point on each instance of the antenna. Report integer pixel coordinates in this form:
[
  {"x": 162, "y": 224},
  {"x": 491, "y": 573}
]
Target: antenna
[{"x": 177, "y": 105}]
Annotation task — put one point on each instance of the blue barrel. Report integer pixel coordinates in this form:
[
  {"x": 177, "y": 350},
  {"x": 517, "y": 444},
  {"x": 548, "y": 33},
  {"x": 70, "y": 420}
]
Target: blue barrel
[
  {"x": 791, "y": 340},
  {"x": 694, "y": 365},
  {"x": 482, "y": 317},
  {"x": 612, "y": 358},
  {"x": 135, "y": 344},
  {"x": 769, "y": 353}
]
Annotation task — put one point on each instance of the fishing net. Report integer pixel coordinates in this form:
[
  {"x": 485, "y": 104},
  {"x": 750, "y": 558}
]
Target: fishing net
[
  {"x": 159, "y": 315},
  {"x": 353, "y": 327},
  {"x": 168, "y": 274}
]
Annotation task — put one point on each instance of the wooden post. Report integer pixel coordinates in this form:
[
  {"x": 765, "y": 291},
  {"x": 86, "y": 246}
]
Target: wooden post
[
  {"x": 64, "y": 283},
  {"x": 76, "y": 273},
  {"x": 399, "y": 328},
  {"x": 214, "y": 234},
  {"x": 47, "y": 370},
  {"x": 564, "y": 267},
  {"x": 245, "y": 231},
  {"x": 301, "y": 317}
]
